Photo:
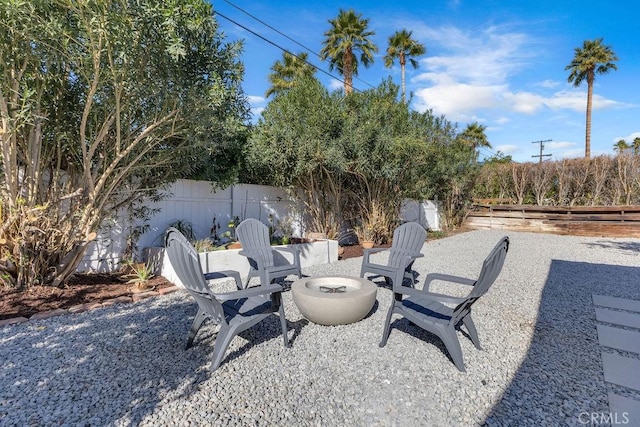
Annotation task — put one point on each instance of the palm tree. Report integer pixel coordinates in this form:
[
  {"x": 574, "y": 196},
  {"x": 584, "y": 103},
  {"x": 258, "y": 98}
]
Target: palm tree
[
  {"x": 621, "y": 146},
  {"x": 403, "y": 47},
  {"x": 474, "y": 137},
  {"x": 636, "y": 145},
  {"x": 348, "y": 34},
  {"x": 593, "y": 57},
  {"x": 287, "y": 71}
]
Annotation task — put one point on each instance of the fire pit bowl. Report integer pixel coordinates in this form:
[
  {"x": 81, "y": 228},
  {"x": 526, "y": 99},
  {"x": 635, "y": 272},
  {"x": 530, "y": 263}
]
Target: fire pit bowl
[{"x": 334, "y": 300}]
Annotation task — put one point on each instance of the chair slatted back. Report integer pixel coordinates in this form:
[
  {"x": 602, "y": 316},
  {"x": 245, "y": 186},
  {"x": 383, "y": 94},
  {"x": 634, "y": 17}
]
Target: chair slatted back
[
  {"x": 491, "y": 268},
  {"x": 254, "y": 237},
  {"x": 408, "y": 239},
  {"x": 185, "y": 261}
]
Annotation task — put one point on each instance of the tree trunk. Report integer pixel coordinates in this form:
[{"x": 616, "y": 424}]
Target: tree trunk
[
  {"x": 403, "y": 62},
  {"x": 587, "y": 140},
  {"x": 348, "y": 71}
]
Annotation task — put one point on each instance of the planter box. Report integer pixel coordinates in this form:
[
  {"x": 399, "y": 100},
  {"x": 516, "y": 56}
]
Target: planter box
[{"x": 316, "y": 253}]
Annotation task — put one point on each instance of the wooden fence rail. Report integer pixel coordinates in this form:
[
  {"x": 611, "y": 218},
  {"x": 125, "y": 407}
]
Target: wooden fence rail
[{"x": 609, "y": 221}]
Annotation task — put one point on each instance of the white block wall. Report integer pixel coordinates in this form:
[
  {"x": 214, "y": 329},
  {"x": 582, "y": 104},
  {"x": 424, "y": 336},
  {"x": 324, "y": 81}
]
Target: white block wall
[{"x": 198, "y": 203}]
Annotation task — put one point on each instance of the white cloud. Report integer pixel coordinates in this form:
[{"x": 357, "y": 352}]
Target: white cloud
[
  {"x": 454, "y": 99},
  {"x": 571, "y": 100},
  {"x": 484, "y": 58},
  {"x": 523, "y": 102},
  {"x": 335, "y": 85},
  {"x": 558, "y": 145},
  {"x": 549, "y": 84},
  {"x": 473, "y": 75},
  {"x": 529, "y": 103},
  {"x": 256, "y": 100},
  {"x": 257, "y": 111},
  {"x": 475, "y": 71},
  {"x": 257, "y": 105},
  {"x": 628, "y": 138},
  {"x": 569, "y": 154},
  {"x": 507, "y": 148}
]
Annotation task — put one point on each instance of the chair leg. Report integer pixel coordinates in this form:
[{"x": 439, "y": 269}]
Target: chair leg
[
  {"x": 223, "y": 340},
  {"x": 451, "y": 342},
  {"x": 387, "y": 326},
  {"x": 195, "y": 327},
  {"x": 471, "y": 328},
  {"x": 283, "y": 323}
]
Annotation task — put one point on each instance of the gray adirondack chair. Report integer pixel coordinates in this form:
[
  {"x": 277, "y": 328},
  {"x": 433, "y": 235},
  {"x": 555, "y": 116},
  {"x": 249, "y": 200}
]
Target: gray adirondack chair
[
  {"x": 405, "y": 248},
  {"x": 233, "y": 311},
  {"x": 429, "y": 310},
  {"x": 256, "y": 246}
]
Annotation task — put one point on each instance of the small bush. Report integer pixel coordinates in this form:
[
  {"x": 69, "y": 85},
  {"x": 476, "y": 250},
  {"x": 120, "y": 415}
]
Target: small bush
[{"x": 141, "y": 273}]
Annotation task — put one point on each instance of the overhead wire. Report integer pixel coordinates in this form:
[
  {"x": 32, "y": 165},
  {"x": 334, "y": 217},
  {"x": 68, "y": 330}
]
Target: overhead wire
[
  {"x": 282, "y": 48},
  {"x": 290, "y": 39}
]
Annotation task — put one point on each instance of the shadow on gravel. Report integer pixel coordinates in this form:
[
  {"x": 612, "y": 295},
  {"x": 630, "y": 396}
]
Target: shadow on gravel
[
  {"x": 107, "y": 367},
  {"x": 561, "y": 376},
  {"x": 621, "y": 246}
]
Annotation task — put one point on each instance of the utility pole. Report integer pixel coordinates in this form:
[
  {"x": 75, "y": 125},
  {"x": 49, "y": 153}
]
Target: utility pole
[{"x": 540, "y": 156}]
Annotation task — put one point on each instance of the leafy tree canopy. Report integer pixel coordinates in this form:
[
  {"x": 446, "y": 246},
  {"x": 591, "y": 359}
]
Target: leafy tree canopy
[
  {"x": 355, "y": 157},
  {"x": 101, "y": 102}
]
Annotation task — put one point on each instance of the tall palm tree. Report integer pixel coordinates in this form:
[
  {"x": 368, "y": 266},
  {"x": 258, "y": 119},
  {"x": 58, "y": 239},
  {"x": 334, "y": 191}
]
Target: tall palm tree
[
  {"x": 403, "y": 47},
  {"x": 621, "y": 146},
  {"x": 593, "y": 57},
  {"x": 287, "y": 71},
  {"x": 348, "y": 34}
]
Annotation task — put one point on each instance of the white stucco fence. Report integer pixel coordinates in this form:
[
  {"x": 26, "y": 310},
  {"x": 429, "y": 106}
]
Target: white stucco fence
[{"x": 198, "y": 203}]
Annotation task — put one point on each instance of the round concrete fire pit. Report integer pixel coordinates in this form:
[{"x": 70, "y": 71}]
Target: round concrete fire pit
[{"x": 335, "y": 300}]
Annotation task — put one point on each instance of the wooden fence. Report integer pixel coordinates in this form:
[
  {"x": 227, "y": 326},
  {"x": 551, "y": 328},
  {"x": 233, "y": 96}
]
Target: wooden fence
[{"x": 605, "y": 221}]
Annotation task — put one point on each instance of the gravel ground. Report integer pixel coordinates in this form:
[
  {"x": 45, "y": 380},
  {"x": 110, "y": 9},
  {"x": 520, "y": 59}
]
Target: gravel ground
[{"x": 541, "y": 364}]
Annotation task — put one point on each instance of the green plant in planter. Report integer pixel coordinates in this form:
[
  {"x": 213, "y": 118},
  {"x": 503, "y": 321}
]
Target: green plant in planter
[
  {"x": 280, "y": 233},
  {"x": 204, "y": 245}
]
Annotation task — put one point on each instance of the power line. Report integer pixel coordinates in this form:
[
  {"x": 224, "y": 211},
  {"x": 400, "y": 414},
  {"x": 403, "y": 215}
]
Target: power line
[
  {"x": 281, "y": 48},
  {"x": 274, "y": 29},
  {"x": 288, "y": 38},
  {"x": 540, "y": 156}
]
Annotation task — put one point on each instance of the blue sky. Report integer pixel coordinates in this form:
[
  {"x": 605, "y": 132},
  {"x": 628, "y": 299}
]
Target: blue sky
[{"x": 500, "y": 63}]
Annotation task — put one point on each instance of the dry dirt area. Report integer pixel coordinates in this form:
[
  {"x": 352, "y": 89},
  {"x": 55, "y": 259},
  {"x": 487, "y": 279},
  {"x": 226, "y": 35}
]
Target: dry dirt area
[{"x": 83, "y": 289}]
